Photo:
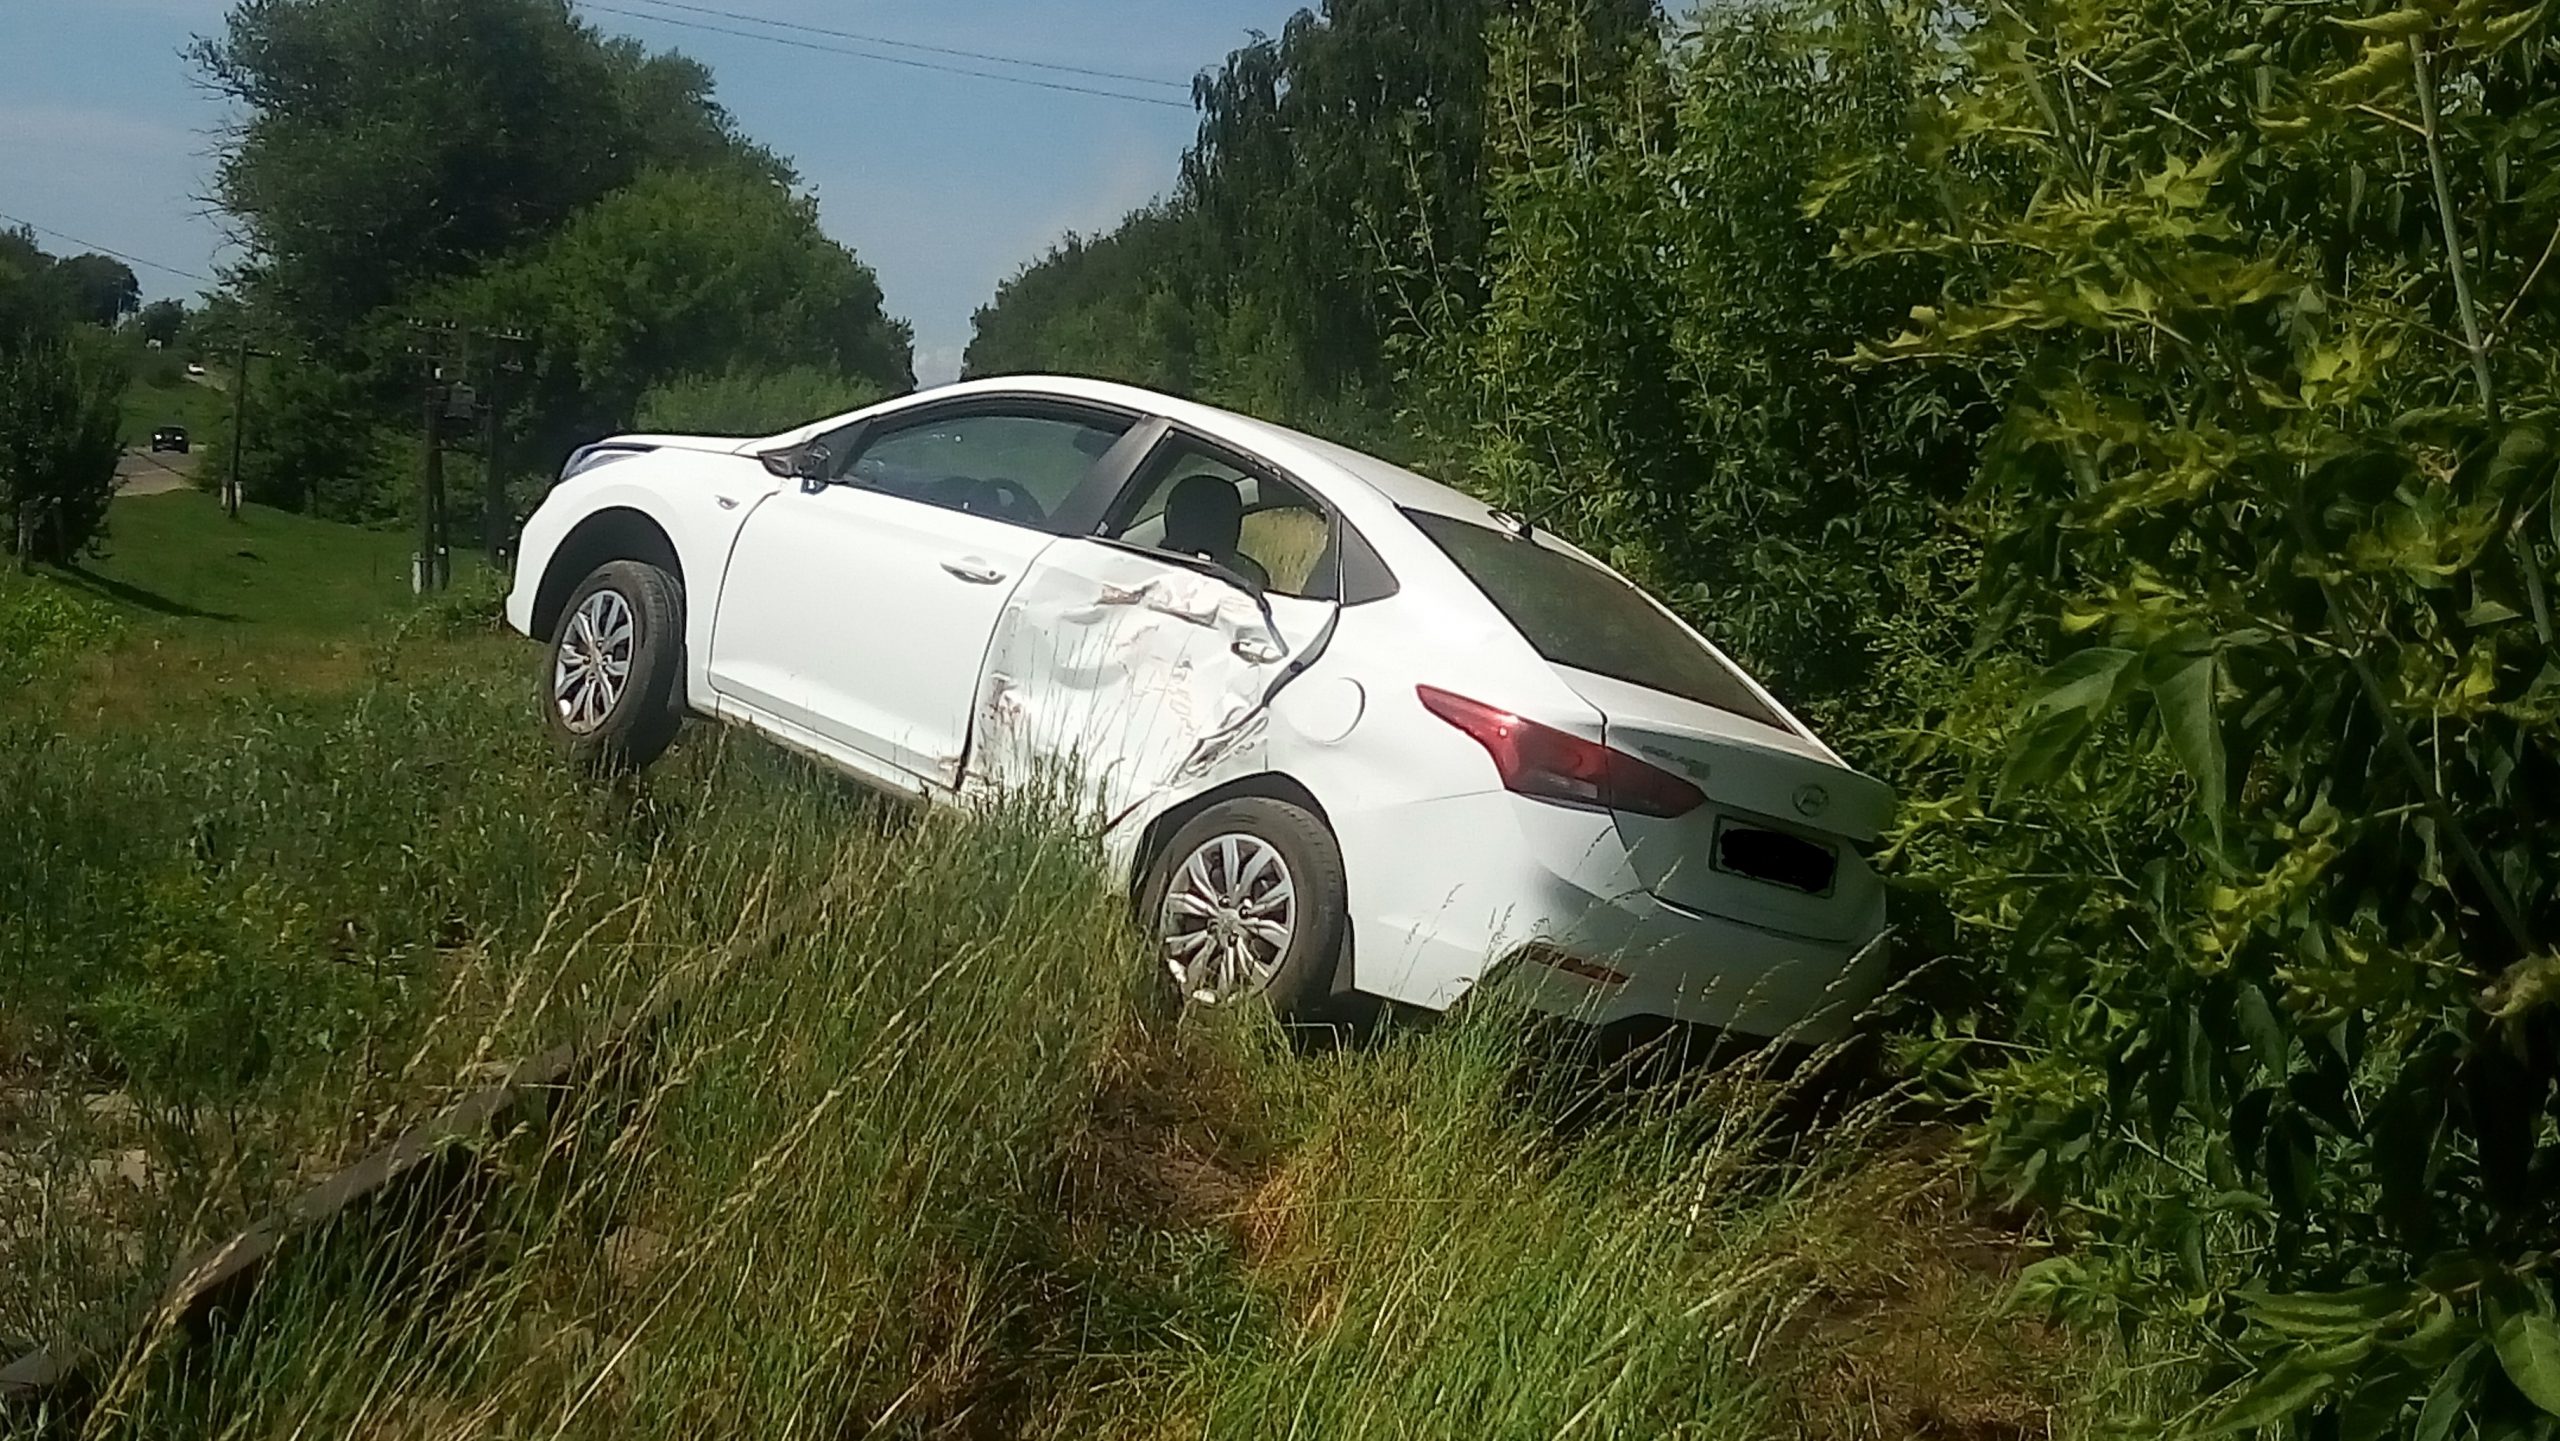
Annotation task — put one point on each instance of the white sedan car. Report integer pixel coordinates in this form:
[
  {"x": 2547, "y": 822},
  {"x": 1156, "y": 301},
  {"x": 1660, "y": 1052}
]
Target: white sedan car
[{"x": 1342, "y": 729}]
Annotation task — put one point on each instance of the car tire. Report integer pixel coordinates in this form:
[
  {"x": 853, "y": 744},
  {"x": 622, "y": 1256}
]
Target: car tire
[
  {"x": 626, "y": 614},
  {"x": 1192, "y": 890}
]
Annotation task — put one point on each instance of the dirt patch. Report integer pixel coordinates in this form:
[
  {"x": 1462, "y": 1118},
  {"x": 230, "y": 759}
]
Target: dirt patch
[
  {"x": 1171, "y": 1144},
  {"x": 1901, "y": 1332}
]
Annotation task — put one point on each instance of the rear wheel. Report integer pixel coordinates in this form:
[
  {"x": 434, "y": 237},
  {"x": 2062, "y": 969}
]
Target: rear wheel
[
  {"x": 1247, "y": 900},
  {"x": 617, "y": 666}
]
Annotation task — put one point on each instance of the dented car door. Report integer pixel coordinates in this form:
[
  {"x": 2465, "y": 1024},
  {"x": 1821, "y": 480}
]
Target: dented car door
[{"x": 1117, "y": 677}]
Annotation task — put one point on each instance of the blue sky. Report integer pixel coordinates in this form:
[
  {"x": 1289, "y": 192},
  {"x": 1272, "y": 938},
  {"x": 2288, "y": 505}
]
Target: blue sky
[{"x": 944, "y": 183}]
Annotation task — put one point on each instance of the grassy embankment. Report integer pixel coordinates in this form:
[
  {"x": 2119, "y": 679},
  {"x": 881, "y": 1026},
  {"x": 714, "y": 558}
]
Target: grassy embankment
[
  {"x": 908, "y": 1162},
  {"x": 162, "y": 394}
]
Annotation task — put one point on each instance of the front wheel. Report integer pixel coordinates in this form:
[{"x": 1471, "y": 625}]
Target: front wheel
[
  {"x": 616, "y": 665},
  {"x": 1247, "y": 900}
]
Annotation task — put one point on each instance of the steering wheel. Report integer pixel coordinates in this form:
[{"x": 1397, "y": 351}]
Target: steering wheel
[
  {"x": 954, "y": 491},
  {"x": 1007, "y": 500}
]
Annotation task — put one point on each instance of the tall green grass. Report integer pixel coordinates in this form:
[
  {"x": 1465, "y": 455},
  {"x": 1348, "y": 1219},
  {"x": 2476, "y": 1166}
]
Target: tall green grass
[{"x": 908, "y": 1156}]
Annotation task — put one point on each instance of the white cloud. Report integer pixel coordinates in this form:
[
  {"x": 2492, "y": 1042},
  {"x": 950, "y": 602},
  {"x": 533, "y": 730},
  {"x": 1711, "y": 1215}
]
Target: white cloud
[{"x": 938, "y": 364}]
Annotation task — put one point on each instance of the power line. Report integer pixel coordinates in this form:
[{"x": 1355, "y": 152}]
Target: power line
[
  {"x": 102, "y": 250},
  {"x": 890, "y": 59},
  {"x": 1182, "y": 85}
]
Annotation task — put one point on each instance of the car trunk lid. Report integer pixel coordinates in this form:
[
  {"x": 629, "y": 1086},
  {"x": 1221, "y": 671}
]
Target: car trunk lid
[{"x": 1775, "y": 845}]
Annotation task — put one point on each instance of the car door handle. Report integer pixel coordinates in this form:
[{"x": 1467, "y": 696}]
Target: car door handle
[
  {"x": 1255, "y": 649},
  {"x": 973, "y": 570}
]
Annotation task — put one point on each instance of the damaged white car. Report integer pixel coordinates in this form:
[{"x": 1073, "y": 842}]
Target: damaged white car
[{"x": 1345, "y": 730}]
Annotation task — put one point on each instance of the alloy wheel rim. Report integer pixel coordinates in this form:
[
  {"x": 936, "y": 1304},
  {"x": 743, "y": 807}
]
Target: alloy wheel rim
[
  {"x": 593, "y": 663},
  {"x": 1228, "y": 919}
]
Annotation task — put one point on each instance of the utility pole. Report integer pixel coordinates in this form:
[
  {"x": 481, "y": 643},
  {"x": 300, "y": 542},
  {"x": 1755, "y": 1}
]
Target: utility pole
[
  {"x": 447, "y": 404},
  {"x": 239, "y": 429},
  {"x": 431, "y": 491},
  {"x": 503, "y": 362},
  {"x": 431, "y": 568}
]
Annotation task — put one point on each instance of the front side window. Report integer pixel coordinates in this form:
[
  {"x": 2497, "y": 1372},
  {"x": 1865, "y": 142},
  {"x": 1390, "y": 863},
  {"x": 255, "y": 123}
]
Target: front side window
[
  {"x": 1016, "y": 467},
  {"x": 1578, "y": 615},
  {"x": 1191, "y": 502}
]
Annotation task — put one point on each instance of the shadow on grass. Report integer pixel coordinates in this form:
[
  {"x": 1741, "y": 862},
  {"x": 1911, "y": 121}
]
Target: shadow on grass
[{"x": 135, "y": 595}]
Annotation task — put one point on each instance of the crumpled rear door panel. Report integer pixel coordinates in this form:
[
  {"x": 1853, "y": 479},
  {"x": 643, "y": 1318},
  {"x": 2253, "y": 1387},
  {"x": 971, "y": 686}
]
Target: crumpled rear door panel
[{"x": 1117, "y": 679}]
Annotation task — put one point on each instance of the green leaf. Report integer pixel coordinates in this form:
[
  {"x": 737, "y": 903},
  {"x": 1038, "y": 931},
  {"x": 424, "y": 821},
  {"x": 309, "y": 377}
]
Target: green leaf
[
  {"x": 2266, "y": 1036},
  {"x": 2065, "y": 702},
  {"x": 2528, "y": 1346},
  {"x": 2282, "y": 1390},
  {"x": 2332, "y": 1314},
  {"x": 2184, "y": 688},
  {"x": 2087, "y": 682},
  {"x": 2408, "y": 20},
  {"x": 2450, "y": 1397}
]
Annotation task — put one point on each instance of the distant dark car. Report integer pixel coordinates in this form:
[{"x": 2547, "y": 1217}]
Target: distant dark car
[{"x": 169, "y": 437}]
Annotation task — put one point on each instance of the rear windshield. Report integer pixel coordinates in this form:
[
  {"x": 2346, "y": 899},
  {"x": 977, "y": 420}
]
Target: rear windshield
[{"x": 1579, "y": 615}]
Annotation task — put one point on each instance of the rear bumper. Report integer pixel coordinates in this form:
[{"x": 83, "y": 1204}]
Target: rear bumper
[
  {"x": 1538, "y": 902},
  {"x": 1633, "y": 957}
]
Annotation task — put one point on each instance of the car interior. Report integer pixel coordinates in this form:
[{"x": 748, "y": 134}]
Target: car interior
[
  {"x": 1204, "y": 516},
  {"x": 952, "y": 464},
  {"x": 1264, "y": 529}
]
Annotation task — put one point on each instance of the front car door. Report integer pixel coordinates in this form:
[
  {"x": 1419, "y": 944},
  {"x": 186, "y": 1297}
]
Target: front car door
[
  {"x": 1128, "y": 662},
  {"x": 857, "y": 608}
]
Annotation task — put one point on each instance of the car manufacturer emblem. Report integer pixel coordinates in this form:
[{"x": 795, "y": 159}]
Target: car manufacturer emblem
[{"x": 1812, "y": 800}]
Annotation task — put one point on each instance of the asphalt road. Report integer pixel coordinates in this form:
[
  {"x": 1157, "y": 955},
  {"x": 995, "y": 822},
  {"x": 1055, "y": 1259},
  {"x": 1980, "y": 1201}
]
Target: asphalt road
[{"x": 139, "y": 472}]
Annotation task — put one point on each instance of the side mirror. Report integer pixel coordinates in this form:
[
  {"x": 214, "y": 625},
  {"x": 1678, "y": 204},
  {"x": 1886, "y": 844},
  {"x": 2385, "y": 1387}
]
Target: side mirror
[{"x": 810, "y": 464}]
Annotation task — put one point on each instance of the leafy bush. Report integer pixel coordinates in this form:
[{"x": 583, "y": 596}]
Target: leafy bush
[
  {"x": 312, "y": 446},
  {"x": 2270, "y": 856}
]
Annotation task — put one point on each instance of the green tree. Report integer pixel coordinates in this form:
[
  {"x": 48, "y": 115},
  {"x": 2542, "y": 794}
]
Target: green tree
[
  {"x": 390, "y": 145},
  {"x": 101, "y": 288},
  {"x": 752, "y": 402},
  {"x": 163, "y": 321},
  {"x": 683, "y": 273},
  {"x": 1114, "y": 306},
  {"x": 58, "y": 451},
  {"x": 312, "y": 444},
  {"x": 1334, "y": 190},
  {"x": 1654, "y": 363},
  {"x": 32, "y": 302}
]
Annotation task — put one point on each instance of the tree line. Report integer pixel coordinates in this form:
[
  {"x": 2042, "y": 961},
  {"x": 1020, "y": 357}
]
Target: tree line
[{"x": 2127, "y": 428}]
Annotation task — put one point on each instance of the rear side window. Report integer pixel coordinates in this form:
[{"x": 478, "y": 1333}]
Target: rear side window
[{"x": 1579, "y": 615}]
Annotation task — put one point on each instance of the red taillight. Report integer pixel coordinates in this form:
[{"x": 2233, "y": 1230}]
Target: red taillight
[{"x": 1544, "y": 762}]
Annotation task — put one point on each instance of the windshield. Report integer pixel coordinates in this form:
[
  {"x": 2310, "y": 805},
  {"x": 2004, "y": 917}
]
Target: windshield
[{"x": 1579, "y": 615}]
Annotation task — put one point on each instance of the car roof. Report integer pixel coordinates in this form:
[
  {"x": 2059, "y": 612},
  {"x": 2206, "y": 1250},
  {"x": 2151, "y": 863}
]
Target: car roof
[{"x": 1393, "y": 483}]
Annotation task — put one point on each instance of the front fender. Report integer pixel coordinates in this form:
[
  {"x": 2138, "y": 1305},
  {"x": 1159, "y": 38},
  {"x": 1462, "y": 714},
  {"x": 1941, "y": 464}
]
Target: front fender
[{"x": 698, "y": 501}]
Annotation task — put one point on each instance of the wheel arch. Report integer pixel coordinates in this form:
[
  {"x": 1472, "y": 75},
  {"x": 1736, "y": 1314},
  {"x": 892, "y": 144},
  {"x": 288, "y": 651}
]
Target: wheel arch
[
  {"x": 1269, "y": 785},
  {"x": 618, "y": 532}
]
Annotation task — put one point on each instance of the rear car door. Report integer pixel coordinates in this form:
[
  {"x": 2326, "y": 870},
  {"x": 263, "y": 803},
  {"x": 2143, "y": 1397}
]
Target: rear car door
[
  {"x": 1130, "y": 660},
  {"x": 859, "y": 605}
]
